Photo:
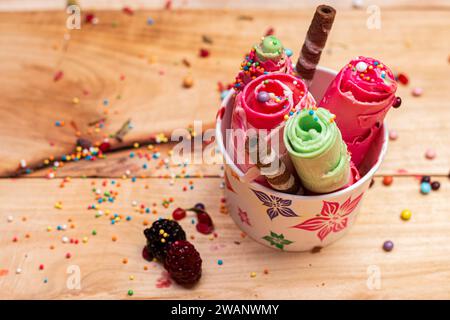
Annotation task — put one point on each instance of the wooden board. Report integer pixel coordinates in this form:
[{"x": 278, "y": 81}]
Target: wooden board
[
  {"x": 421, "y": 255},
  {"x": 212, "y": 4},
  {"x": 97, "y": 56}
]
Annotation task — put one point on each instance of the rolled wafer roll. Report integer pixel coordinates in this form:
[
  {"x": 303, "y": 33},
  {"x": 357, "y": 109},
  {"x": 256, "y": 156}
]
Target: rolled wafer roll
[
  {"x": 315, "y": 41},
  {"x": 272, "y": 168},
  {"x": 316, "y": 148}
]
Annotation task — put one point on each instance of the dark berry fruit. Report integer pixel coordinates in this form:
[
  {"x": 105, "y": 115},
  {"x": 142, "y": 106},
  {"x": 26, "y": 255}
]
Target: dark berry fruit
[
  {"x": 179, "y": 213},
  {"x": 147, "y": 255},
  {"x": 183, "y": 262},
  {"x": 204, "y": 224},
  {"x": 161, "y": 235}
]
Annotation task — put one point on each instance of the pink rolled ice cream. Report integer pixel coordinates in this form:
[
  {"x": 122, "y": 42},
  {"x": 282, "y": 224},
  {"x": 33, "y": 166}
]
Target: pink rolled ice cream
[
  {"x": 265, "y": 103},
  {"x": 360, "y": 96}
]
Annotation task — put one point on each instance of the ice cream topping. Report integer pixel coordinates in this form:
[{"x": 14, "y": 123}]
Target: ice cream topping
[
  {"x": 368, "y": 80},
  {"x": 269, "y": 48},
  {"x": 267, "y": 100},
  {"x": 266, "y": 57}
]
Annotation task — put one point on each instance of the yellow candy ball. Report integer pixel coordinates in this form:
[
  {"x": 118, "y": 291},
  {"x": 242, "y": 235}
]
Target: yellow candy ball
[{"x": 406, "y": 214}]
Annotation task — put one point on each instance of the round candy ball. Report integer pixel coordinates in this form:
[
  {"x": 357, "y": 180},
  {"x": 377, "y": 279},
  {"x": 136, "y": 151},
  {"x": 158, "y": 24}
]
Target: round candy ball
[
  {"x": 406, "y": 214},
  {"x": 387, "y": 180},
  {"x": 393, "y": 135},
  {"x": 430, "y": 154},
  {"x": 288, "y": 52},
  {"x": 263, "y": 96},
  {"x": 361, "y": 66},
  {"x": 397, "y": 102},
  {"x": 425, "y": 188},
  {"x": 425, "y": 179},
  {"x": 388, "y": 245},
  {"x": 435, "y": 185}
]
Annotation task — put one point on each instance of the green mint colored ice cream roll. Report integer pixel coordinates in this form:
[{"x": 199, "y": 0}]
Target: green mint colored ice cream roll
[
  {"x": 317, "y": 150},
  {"x": 270, "y": 48}
]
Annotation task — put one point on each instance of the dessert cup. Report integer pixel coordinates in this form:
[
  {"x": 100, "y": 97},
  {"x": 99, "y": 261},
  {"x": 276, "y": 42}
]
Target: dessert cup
[{"x": 294, "y": 222}]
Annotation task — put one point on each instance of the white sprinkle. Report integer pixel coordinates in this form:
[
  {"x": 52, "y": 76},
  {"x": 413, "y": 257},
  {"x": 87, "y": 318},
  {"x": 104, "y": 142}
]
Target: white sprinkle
[
  {"x": 23, "y": 163},
  {"x": 134, "y": 203},
  {"x": 358, "y": 4},
  {"x": 10, "y": 218},
  {"x": 65, "y": 239},
  {"x": 361, "y": 66},
  {"x": 18, "y": 271}
]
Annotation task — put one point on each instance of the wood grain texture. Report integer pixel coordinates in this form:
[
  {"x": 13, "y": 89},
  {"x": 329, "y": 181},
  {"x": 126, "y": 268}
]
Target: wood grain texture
[
  {"x": 96, "y": 57},
  {"x": 10, "y": 5},
  {"x": 140, "y": 162},
  {"x": 416, "y": 268}
]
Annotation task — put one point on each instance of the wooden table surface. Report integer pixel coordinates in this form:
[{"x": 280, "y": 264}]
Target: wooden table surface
[{"x": 122, "y": 55}]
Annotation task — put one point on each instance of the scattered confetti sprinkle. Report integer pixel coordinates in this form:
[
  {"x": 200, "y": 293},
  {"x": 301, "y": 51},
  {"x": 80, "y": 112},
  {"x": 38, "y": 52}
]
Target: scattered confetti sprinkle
[
  {"x": 406, "y": 214},
  {"x": 388, "y": 245},
  {"x": 188, "y": 82},
  {"x": 204, "y": 53},
  {"x": 435, "y": 185},
  {"x": 430, "y": 154},
  {"x": 387, "y": 180},
  {"x": 58, "y": 76},
  {"x": 417, "y": 92},
  {"x": 425, "y": 188},
  {"x": 393, "y": 135}
]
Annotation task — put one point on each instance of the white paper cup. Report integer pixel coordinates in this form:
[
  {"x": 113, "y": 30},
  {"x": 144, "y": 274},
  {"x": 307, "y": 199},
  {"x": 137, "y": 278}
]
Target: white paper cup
[{"x": 292, "y": 222}]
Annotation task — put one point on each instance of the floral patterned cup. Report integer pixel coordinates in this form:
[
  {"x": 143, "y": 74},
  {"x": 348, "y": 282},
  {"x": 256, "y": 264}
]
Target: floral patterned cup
[{"x": 292, "y": 222}]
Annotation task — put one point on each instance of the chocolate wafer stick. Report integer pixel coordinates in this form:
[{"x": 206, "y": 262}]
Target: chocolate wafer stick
[
  {"x": 273, "y": 168},
  {"x": 315, "y": 41}
]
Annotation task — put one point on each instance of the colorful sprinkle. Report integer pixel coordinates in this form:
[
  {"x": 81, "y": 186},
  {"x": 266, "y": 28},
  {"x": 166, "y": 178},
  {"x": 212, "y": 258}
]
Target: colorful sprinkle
[
  {"x": 406, "y": 214},
  {"x": 393, "y": 135},
  {"x": 388, "y": 245},
  {"x": 435, "y": 185},
  {"x": 425, "y": 188},
  {"x": 387, "y": 180},
  {"x": 430, "y": 154}
]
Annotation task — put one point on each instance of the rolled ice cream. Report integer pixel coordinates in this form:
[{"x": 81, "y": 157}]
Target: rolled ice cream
[{"x": 360, "y": 96}]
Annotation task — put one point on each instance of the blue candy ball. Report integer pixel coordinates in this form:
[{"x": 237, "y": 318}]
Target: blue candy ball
[
  {"x": 425, "y": 188},
  {"x": 288, "y": 52}
]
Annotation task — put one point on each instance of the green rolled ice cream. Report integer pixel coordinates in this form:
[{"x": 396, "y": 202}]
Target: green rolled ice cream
[
  {"x": 270, "y": 48},
  {"x": 316, "y": 148}
]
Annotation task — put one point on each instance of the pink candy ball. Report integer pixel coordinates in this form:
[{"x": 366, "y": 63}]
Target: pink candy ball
[
  {"x": 430, "y": 154},
  {"x": 393, "y": 135},
  {"x": 417, "y": 92}
]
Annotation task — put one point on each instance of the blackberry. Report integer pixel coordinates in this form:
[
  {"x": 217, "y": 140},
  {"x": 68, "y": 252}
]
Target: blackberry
[
  {"x": 183, "y": 263},
  {"x": 161, "y": 235}
]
